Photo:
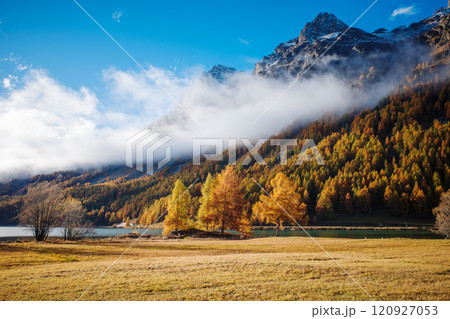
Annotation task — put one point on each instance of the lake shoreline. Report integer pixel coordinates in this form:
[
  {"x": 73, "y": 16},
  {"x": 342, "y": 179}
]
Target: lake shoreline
[
  {"x": 421, "y": 228},
  {"x": 14, "y": 233},
  {"x": 345, "y": 228}
]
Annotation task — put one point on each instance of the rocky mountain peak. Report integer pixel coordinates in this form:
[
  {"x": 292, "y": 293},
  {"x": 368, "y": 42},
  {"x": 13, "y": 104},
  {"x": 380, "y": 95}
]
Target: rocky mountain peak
[
  {"x": 220, "y": 72},
  {"x": 325, "y": 19},
  {"x": 380, "y": 30},
  {"x": 325, "y": 23},
  {"x": 356, "y": 51}
]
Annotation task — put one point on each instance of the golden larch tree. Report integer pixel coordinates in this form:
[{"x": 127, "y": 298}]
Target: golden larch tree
[
  {"x": 419, "y": 201},
  {"x": 203, "y": 218},
  {"x": 225, "y": 208},
  {"x": 178, "y": 213},
  {"x": 283, "y": 194}
]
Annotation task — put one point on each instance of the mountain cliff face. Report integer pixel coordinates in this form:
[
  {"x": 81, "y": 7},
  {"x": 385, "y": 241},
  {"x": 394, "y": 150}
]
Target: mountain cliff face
[
  {"x": 352, "y": 51},
  {"x": 438, "y": 37},
  {"x": 219, "y": 72}
]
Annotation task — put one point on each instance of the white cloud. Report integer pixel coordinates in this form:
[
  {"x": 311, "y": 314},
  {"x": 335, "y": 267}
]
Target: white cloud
[
  {"x": 227, "y": 111},
  {"x": 14, "y": 62},
  {"x": 6, "y": 83},
  {"x": 9, "y": 82},
  {"x": 243, "y": 41},
  {"x": 405, "y": 11},
  {"x": 21, "y": 67},
  {"x": 117, "y": 15},
  {"x": 46, "y": 126},
  {"x": 139, "y": 92}
]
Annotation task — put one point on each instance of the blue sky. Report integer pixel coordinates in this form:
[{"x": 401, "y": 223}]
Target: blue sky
[{"x": 59, "y": 37}]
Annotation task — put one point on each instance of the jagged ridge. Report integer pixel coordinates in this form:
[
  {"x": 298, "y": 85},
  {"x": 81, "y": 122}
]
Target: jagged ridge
[{"x": 362, "y": 50}]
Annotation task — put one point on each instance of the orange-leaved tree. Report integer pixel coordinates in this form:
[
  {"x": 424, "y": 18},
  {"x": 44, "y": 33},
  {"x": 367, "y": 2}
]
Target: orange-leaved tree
[
  {"x": 154, "y": 212},
  {"x": 178, "y": 213},
  {"x": 226, "y": 204},
  {"x": 204, "y": 220},
  {"x": 283, "y": 205}
]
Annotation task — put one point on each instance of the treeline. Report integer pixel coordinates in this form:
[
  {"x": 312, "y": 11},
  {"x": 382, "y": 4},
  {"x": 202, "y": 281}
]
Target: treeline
[{"x": 222, "y": 206}]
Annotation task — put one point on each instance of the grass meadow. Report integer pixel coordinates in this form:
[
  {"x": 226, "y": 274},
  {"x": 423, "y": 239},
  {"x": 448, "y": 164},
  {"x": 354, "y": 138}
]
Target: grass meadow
[{"x": 291, "y": 268}]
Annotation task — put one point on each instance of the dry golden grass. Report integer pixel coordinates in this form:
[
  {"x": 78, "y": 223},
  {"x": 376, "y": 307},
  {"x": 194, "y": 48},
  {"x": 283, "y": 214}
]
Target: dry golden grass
[{"x": 258, "y": 269}]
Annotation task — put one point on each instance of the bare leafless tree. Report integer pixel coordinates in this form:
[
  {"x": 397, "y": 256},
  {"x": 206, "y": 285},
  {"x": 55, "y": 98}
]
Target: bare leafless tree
[
  {"x": 40, "y": 210},
  {"x": 442, "y": 213},
  {"x": 72, "y": 220}
]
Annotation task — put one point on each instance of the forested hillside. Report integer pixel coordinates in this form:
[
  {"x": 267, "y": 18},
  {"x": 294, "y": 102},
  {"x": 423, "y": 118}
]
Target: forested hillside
[{"x": 392, "y": 158}]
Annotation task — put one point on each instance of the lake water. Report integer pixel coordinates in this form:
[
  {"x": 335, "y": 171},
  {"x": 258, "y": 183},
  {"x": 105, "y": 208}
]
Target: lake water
[{"x": 15, "y": 232}]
